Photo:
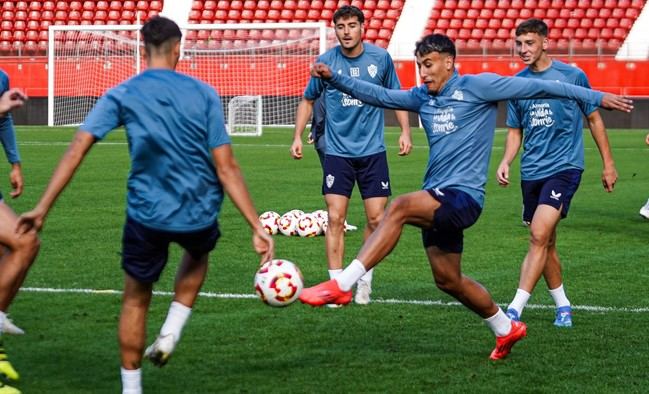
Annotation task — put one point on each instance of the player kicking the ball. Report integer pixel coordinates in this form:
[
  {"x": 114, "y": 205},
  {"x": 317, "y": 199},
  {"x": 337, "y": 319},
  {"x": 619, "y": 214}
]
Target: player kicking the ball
[{"x": 459, "y": 117}]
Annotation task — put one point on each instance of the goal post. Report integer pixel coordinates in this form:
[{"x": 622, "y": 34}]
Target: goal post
[
  {"x": 245, "y": 116},
  {"x": 266, "y": 60}
]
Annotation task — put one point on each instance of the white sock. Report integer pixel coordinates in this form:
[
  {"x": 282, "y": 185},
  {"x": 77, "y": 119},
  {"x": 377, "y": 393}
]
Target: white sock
[
  {"x": 499, "y": 323},
  {"x": 335, "y": 273},
  {"x": 131, "y": 381},
  {"x": 3, "y": 316},
  {"x": 176, "y": 319},
  {"x": 350, "y": 275},
  {"x": 367, "y": 278},
  {"x": 559, "y": 296},
  {"x": 519, "y": 301}
]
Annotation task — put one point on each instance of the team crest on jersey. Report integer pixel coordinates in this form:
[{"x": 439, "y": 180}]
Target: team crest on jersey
[
  {"x": 458, "y": 95},
  {"x": 330, "y": 180},
  {"x": 372, "y": 69},
  {"x": 354, "y": 72}
]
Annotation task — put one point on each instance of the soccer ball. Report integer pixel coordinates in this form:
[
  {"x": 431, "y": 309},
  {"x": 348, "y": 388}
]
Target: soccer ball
[
  {"x": 321, "y": 215},
  {"x": 269, "y": 221},
  {"x": 295, "y": 212},
  {"x": 278, "y": 282},
  {"x": 308, "y": 226},
  {"x": 287, "y": 224}
]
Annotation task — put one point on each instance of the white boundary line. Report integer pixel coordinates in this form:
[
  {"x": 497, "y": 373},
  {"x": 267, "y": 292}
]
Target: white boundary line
[{"x": 391, "y": 301}]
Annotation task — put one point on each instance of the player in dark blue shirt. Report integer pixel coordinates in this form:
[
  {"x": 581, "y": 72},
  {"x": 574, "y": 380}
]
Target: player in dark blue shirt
[
  {"x": 181, "y": 165},
  {"x": 354, "y": 131},
  {"x": 551, "y": 132},
  {"x": 458, "y": 113},
  {"x": 316, "y": 134},
  {"x": 17, "y": 253}
]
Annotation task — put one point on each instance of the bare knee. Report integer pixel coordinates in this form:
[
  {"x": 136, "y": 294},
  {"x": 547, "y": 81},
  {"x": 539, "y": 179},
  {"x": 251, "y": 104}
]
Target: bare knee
[
  {"x": 396, "y": 209},
  {"x": 448, "y": 284},
  {"x": 26, "y": 244},
  {"x": 335, "y": 221},
  {"x": 374, "y": 220},
  {"x": 540, "y": 238}
]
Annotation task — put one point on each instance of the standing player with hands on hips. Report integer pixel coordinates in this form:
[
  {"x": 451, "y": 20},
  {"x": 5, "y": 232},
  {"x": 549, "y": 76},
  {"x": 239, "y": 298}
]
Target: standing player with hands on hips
[
  {"x": 355, "y": 148},
  {"x": 181, "y": 165},
  {"x": 458, "y": 113}
]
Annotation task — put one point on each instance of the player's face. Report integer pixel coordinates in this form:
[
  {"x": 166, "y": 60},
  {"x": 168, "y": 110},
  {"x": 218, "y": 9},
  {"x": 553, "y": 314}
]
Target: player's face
[
  {"x": 435, "y": 69},
  {"x": 531, "y": 47},
  {"x": 349, "y": 32}
]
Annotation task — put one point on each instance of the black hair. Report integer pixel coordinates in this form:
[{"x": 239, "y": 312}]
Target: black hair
[
  {"x": 435, "y": 43},
  {"x": 159, "y": 33},
  {"x": 532, "y": 26},
  {"x": 348, "y": 11}
]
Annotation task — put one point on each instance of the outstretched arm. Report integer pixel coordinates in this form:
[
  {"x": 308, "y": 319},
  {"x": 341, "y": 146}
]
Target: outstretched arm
[
  {"x": 492, "y": 87},
  {"x": 598, "y": 131},
  {"x": 231, "y": 178},
  {"x": 302, "y": 116},
  {"x": 79, "y": 147},
  {"x": 368, "y": 92},
  {"x": 512, "y": 145}
]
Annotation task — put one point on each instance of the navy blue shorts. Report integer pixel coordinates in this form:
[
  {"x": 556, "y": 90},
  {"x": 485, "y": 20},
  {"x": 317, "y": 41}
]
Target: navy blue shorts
[
  {"x": 556, "y": 190},
  {"x": 370, "y": 172},
  {"x": 145, "y": 250},
  {"x": 457, "y": 212}
]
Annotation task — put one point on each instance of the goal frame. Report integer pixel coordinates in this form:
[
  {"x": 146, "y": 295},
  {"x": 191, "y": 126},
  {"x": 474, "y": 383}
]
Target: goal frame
[{"x": 53, "y": 29}]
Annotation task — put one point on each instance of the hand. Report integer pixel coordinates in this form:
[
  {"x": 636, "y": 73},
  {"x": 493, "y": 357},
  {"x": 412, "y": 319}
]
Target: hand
[
  {"x": 320, "y": 70},
  {"x": 609, "y": 177},
  {"x": 11, "y": 99},
  {"x": 502, "y": 174},
  {"x": 263, "y": 244},
  {"x": 296, "y": 149},
  {"x": 310, "y": 140},
  {"x": 646, "y": 140},
  {"x": 16, "y": 179},
  {"x": 405, "y": 144},
  {"x": 30, "y": 221},
  {"x": 613, "y": 101}
]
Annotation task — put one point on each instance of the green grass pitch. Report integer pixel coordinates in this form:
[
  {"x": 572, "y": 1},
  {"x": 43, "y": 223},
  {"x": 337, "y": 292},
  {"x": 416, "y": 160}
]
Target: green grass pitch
[{"x": 421, "y": 341}]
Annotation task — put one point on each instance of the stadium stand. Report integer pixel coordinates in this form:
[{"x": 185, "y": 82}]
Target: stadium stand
[{"x": 575, "y": 25}]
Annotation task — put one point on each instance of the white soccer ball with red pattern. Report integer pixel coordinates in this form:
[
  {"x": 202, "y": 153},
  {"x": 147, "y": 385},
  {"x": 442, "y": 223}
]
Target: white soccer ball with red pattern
[
  {"x": 278, "y": 282},
  {"x": 269, "y": 221},
  {"x": 321, "y": 215},
  {"x": 308, "y": 226},
  {"x": 287, "y": 224},
  {"x": 296, "y": 213}
]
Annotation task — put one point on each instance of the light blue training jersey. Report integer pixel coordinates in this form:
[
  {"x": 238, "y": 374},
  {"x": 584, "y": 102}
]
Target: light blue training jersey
[
  {"x": 552, "y": 128},
  {"x": 172, "y": 123},
  {"x": 460, "y": 120},
  {"x": 7, "y": 132},
  {"x": 353, "y": 128}
]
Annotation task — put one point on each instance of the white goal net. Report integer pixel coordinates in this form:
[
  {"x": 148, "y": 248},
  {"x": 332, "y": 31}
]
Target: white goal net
[{"x": 268, "y": 61}]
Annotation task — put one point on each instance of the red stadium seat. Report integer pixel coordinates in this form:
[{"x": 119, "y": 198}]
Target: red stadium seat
[
  {"x": 486, "y": 13},
  {"x": 47, "y": 16},
  {"x": 261, "y": 14},
  {"x": 500, "y": 13},
  {"x": 235, "y": 5},
  {"x": 573, "y": 23},
  {"x": 20, "y": 15},
  {"x": 89, "y": 5},
  {"x": 371, "y": 34},
  {"x": 494, "y": 23},
  {"x": 632, "y": 13},
  {"x": 114, "y": 5},
  {"x": 304, "y": 5},
  {"x": 586, "y": 23},
  {"x": 7, "y": 16},
  {"x": 552, "y": 13},
  {"x": 8, "y": 6},
  {"x": 21, "y": 6},
  {"x": 612, "y": 23},
  {"x": 455, "y": 24},
  {"x": 477, "y": 34},
  {"x": 33, "y": 24},
  {"x": 128, "y": 5},
  {"x": 87, "y": 15},
  {"x": 517, "y": 4},
  {"x": 35, "y": 5},
  {"x": 468, "y": 23},
  {"x": 459, "y": 14},
  {"x": 443, "y": 24},
  {"x": 610, "y": 4}
]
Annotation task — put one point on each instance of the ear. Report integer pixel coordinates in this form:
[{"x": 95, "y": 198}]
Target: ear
[
  {"x": 545, "y": 44},
  {"x": 449, "y": 62}
]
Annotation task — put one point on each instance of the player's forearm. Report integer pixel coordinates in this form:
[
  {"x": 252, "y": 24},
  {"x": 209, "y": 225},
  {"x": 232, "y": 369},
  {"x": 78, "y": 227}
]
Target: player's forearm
[
  {"x": 512, "y": 145},
  {"x": 65, "y": 170},
  {"x": 374, "y": 94},
  {"x": 403, "y": 120},
  {"x": 598, "y": 132},
  {"x": 8, "y": 139},
  {"x": 302, "y": 116},
  {"x": 235, "y": 187}
]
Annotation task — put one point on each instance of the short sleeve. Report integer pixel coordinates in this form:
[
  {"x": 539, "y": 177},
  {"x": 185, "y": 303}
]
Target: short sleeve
[
  {"x": 105, "y": 115},
  {"x": 513, "y": 115}
]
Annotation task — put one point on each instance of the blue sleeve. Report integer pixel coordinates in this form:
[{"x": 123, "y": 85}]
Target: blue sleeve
[
  {"x": 313, "y": 89},
  {"x": 392, "y": 79},
  {"x": 513, "y": 115},
  {"x": 216, "y": 132},
  {"x": 582, "y": 80},
  {"x": 377, "y": 95},
  {"x": 105, "y": 115},
  {"x": 7, "y": 132},
  {"x": 493, "y": 87}
]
